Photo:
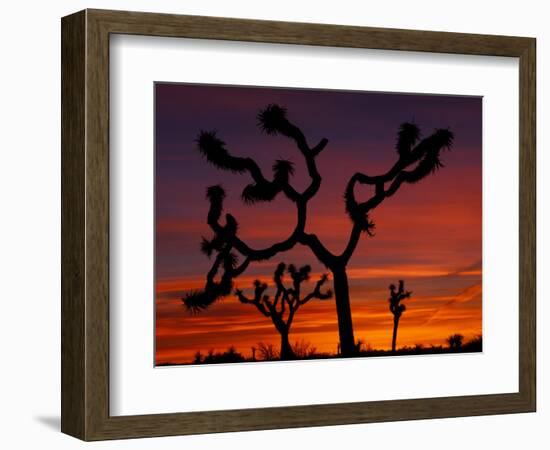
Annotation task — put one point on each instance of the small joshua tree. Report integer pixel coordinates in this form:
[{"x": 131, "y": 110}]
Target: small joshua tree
[
  {"x": 397, "y": 308},
  {"x": 286, "y": 302},
  {"x": 416, "y": 159}
]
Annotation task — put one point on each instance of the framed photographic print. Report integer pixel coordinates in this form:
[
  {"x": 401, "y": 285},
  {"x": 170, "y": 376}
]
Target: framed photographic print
[{"x": 293, "y": 215}]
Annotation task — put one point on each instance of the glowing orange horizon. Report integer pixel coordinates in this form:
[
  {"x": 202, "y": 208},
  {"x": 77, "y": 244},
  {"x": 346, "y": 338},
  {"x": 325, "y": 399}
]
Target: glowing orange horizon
[{"x": 429, "y": 320}]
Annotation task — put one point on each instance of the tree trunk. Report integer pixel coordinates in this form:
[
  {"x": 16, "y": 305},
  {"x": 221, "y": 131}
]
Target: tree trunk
[
  {"x": 286, "y": 349},
  {"x": 343, "y": 311},
  {"x": 394, "y": 338}
]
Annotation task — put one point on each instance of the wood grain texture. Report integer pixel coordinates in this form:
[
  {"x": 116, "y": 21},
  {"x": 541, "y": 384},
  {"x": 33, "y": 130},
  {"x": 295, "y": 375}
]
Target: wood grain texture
[
  {"x": 527, "y": 224},
  {"x": 97, "y": 226},
  {"x": 85, "y": 224},
  {"x": 73, "y": 226}
]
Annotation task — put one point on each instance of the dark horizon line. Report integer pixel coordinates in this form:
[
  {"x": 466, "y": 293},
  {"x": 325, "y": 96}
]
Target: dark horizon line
[{"x": 373, "y": 353}]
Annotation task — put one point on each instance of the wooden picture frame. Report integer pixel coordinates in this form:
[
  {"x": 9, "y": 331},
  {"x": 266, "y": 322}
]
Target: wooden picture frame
[{"x": 85, "y": 224}]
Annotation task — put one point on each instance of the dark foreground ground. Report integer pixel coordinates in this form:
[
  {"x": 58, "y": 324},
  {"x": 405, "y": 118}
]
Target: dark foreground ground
[{"x": 304, "y": 351}]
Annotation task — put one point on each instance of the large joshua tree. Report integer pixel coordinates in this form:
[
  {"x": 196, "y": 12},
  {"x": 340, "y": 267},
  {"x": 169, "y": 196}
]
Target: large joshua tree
[
  {"x": 416, "y": 159},
  {"x": 287, "y": 300},
  {"x": 397, "y": 308}
]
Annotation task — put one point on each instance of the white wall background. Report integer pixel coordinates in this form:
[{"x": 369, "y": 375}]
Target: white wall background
[{"x": 30, "y": 225}]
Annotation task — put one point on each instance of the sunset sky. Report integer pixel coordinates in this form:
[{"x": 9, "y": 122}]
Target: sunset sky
[{"x": 428, "y": 234}]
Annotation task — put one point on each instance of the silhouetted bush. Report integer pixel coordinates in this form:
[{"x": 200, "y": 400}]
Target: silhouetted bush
[
  {"x": 229, "y": 356},
  {"x": 267, "y": 352},
  {"x": 303, "y": 349},
  {"x": 474, "y": 345},
  {"x": 455, "y": 341}
]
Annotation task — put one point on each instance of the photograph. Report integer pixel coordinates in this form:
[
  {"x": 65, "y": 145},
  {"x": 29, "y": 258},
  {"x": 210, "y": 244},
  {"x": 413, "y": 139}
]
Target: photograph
[{"x": 303, "y": 224}]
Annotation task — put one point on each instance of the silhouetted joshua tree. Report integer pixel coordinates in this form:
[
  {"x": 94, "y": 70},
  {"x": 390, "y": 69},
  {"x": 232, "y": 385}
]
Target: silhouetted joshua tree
[
  {"x": 455, "y": 341},
  {"x": 286, "y": 301},
  {"x": 397, "y": 308},
  {"x": 416, "y": 159}
]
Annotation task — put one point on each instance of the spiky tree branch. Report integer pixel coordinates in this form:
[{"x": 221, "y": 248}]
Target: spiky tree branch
[{"x": 414, "y": 164}]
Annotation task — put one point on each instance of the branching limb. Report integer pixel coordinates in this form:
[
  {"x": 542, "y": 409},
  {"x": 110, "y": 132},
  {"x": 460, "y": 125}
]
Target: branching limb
[
  {"x": 228, "y": 232},
  {"x": 414, "y": 164},
  {"x": 318, "y": 249},
  {"x": 259, "y": 300},
  {"x": 262, "y": 189},
  {"x": 213, "y": 291},
  {"x": 273, "y": 120},
  {"x": 317, "y": 293}
]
